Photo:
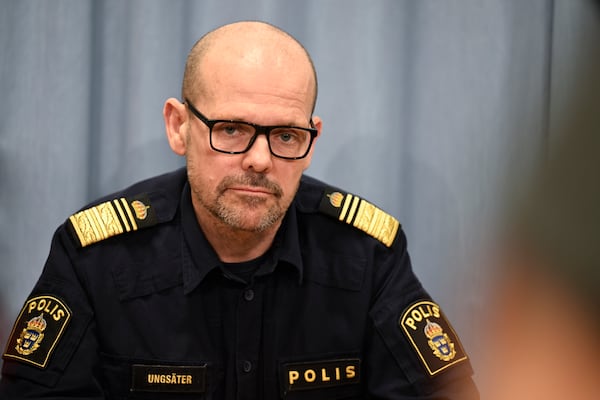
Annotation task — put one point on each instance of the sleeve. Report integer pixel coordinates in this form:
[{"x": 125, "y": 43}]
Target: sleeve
[
  {"x": 412, "y": 351},
  {"x": 52, "y": 349}
]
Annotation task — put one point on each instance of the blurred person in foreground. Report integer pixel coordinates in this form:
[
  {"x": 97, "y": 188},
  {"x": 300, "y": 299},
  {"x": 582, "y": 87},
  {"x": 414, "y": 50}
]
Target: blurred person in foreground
[
  {"x": 237, "y": 277},
  {"x": 542, "y": 338}
]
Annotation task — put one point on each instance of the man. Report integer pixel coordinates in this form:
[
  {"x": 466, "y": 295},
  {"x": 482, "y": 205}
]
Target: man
[{"x": 237, "y": 277}]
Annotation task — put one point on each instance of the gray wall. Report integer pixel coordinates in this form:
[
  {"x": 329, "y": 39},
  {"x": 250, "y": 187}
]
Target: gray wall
[{"x": 429, "y": 108}]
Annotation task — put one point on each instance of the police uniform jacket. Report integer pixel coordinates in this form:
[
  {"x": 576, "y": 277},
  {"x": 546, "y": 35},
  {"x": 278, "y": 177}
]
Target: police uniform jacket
[{"x": 134, "y": 303}]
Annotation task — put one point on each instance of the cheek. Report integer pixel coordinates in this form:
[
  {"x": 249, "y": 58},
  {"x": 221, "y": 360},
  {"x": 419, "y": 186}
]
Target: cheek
[
  {"x": 290, "y": 179},
  {"x": 211, "y": 173},
  {"x": 207, "y": 170},
  {"x": 206, "y": 161}
]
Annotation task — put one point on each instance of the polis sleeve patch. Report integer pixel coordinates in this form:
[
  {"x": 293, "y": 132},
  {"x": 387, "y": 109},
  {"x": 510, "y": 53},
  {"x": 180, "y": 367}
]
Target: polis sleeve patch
[
  {"x": 37, "y": 331},
  {"x": 431, "y": 336}
]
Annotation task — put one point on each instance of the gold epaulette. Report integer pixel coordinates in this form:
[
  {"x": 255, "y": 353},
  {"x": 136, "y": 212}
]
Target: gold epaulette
[
  {"x": 111, "y": 218},
  {"x": 361, "y": 214}
]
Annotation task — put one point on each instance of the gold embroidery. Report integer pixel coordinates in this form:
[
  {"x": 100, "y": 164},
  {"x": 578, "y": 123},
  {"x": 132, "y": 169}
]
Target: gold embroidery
[
  {"x": 364, "y": 216},
  {"x": 112, "y": 218},
  {"x": 345, "y": 207},
  {"x": 96, "y": 223},
  {"x": 336, "y": 199},
  {"x": 355, "y": 204},
  {"x": 141, "y": 210},
  {"x": 128, "y": 210},
  {"x": 122, "y": 215}
]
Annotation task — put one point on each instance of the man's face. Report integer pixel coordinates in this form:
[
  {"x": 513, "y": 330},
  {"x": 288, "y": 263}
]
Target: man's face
[{"x": 253, "y": 190}]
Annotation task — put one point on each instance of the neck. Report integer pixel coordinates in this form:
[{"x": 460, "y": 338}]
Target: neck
[{"x": 235, "y": 245}]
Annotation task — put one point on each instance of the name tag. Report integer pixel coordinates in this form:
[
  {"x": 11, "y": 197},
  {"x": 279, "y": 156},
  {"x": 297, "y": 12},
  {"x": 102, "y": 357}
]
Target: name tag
[
  {"x": 168, "y": 378},
  {"x": 320, "y": 374}
]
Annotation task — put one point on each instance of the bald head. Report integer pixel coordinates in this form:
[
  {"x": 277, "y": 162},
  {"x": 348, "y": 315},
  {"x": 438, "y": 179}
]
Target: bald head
[{"x": 247, "y": 44}]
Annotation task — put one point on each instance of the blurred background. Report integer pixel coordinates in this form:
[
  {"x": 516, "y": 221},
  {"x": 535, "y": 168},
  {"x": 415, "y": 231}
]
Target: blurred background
[{"x": 429, "y": 107}]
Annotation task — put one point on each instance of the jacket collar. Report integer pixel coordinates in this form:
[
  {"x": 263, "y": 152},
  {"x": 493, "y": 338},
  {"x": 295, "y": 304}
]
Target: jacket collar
[{"x": 199, "y": 258}]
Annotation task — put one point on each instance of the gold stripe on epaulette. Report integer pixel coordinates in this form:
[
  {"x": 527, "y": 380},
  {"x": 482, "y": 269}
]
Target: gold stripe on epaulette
[
  {"x": 111, "y": 218},
  {"x": 376, "y": 223},
  {"x": 122, "y": 215},
  {"x": 347, "y": 202},
  {"x": 352, "y": 211},
  {"x": 128, "y": 210},
  {"x": 361, "y": 214},
  {"x": 97, "y": 223}
]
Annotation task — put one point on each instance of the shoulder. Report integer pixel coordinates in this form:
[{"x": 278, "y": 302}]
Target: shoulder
[
  {"x": 144, "y": 204},
  {"x": 344, "y": 208}
]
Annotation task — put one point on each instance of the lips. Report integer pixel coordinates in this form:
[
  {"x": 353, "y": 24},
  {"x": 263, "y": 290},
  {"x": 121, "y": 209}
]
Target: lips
[
  {"x": 251, "y": 184},
  {"x": 251, "y": 190}
]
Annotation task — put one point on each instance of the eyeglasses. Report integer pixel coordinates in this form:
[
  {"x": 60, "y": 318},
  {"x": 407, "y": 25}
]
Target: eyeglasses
[{"x": 237, "y": 137}]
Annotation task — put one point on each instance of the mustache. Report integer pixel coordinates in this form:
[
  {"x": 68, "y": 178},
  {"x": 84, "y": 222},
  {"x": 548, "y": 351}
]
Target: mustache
[{"x": 252, "y": 180}]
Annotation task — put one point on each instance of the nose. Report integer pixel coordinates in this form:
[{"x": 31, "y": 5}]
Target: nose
[{"x": 258, "y": 157}]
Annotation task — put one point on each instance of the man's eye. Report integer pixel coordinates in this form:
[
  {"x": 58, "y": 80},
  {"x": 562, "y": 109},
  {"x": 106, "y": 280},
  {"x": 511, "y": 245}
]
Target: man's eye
[
  {"x": 229, "y": 129},
  {"x": 286, "y": 137}
]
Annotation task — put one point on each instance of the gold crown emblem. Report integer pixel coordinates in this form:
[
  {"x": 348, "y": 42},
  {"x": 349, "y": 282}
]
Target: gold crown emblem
[
  {"x": 432, "y": 330},
  {"x": 141, "y": 210},
  {"x": 336, "y": 199},
  {"x": 38, "y": 323}
]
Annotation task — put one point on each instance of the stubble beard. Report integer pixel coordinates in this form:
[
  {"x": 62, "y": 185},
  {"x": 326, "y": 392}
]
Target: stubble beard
[{"x": 240, "y": 213}]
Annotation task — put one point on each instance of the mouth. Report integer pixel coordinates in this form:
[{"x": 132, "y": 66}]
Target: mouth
[
  {"x": 254, "y": 186},
  {"x": 251, "y": 190}
]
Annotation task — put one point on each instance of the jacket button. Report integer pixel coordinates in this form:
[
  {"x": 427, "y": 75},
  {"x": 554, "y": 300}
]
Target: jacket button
[
  {"x": 247, "y": 366},
  {"x": 249, "y": 295}
]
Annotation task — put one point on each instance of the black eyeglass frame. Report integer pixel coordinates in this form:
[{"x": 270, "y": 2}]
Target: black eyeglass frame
[{"x": 260, "y": 130}]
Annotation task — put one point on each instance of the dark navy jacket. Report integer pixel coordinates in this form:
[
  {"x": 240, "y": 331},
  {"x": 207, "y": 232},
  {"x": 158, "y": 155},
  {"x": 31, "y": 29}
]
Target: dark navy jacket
[{"x": 332, "y": 312}]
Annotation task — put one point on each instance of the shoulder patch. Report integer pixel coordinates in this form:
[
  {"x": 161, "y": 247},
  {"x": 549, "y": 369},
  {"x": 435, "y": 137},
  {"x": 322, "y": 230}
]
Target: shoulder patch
[
  {"x": 38, "y": 329},
  {"x": 431, "y": 336},
  {"x": 111, "y": 218},
  {"x": 361, "y": 214}
]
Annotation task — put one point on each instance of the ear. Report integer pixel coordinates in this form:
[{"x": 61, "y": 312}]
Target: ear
[
  {"x": 318, "y": 124},
  {"x": 176, "y": 124}
]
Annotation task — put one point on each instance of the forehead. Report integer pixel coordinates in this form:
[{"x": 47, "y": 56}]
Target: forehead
[
  {"x": 241, "y": 86},
  {"x": 256, "y": 66}
]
